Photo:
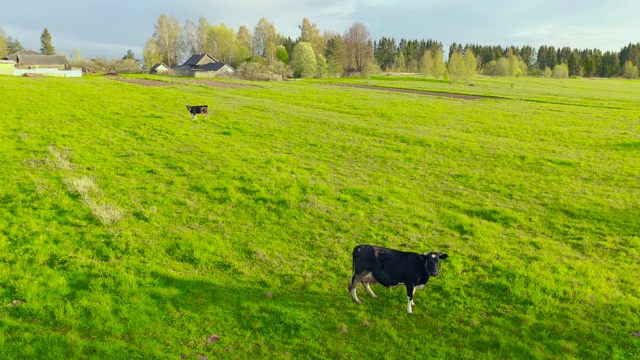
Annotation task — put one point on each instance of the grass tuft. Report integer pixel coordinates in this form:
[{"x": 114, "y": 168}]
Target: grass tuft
[
  {"x": 82, "y": 186},
  {"x": 108, "y": 214},
  {"x": 59, "y": 158}
]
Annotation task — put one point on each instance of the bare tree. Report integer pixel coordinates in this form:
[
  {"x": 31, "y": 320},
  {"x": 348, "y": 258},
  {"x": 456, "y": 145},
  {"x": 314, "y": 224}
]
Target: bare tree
[
  {"x": 196, "y": 35},
  {"x": 263, "y": 35},
  {"x": 358, "y": 46},
  {"x": 169, "y": 39}
]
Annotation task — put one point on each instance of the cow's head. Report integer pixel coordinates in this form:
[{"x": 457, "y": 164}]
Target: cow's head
[{"x": 433, "y": 262}]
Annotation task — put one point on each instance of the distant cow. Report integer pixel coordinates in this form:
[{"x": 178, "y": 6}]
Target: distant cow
[
  {"x": 374, "y": 264},
  {"x": 200, "y": 109}
]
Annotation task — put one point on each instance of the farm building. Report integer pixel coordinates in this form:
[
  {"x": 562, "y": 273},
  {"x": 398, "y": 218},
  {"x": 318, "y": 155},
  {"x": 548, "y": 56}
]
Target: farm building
[
  {"x": 204, "y": 65},
  {"x": 28, "y": 59},
  {"x": 159, "y": 68}
]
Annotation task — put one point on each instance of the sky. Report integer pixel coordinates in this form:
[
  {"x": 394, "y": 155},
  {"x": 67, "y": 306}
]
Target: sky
[{"x": 110, "y": 28}]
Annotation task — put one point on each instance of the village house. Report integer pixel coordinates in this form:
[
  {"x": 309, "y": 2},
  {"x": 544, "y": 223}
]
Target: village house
[
  {"x": 159, "y": 68},
  {"x": 204, "y": 65}
]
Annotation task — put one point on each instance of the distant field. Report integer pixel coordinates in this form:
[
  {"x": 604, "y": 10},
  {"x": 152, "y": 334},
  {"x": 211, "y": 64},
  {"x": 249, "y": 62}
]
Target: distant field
[{"x": 127, "y": 230}]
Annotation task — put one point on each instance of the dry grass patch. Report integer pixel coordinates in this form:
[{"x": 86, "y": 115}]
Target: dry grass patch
[
  {"x": 59, "y": 158},
  {"x": 82, "y": 186},
  {"x": 108, "y": 214}
]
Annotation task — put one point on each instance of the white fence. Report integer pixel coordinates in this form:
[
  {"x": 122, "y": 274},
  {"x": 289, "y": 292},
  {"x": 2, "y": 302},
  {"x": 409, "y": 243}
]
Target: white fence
[{"x": 49, "y": 72}]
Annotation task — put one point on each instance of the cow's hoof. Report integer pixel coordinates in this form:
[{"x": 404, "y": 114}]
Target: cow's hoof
[{"x": 359, "y": 302}]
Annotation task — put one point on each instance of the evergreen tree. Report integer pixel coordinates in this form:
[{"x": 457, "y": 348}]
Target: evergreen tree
[
  {"x": 574, "y": 63},
  {"x": 335, "y": 55},
  {"x": 610, "y": 65},
  {"x": 385, "y": 53},
  {"x": 46, "y": 46},
  {"x": 129, "y": 55}
]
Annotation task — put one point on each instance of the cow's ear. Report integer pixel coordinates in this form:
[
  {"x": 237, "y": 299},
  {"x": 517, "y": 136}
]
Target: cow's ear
[{"x": 443, "y": 256}]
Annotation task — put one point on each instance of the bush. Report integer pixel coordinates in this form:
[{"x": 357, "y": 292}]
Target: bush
[
  {"x": 259, "y": 72},
  {"x": 560, "y": 71},
  {"x": 629, "y": 71}
]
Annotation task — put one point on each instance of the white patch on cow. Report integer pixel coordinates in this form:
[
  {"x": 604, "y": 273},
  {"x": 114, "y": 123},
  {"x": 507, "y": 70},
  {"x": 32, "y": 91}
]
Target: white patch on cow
[
  {"x": 354, "y": 295},
  {"x": 409, "y": 301},
  {"x": 419, "y": 287},
  {"x": 433, "y": 256}
]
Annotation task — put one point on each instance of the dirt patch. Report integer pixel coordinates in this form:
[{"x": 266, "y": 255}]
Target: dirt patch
[
  {"x": 419, "y": 92},
  {"x": 158, "y": 83},
  {"x": 146, "y": 82}
]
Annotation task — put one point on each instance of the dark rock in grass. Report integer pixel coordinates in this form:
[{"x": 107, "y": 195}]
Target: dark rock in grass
[{"x": 636, "y": 333}]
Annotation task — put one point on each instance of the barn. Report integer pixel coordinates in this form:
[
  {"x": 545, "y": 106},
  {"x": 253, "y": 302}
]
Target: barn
[
  {"x": 204, "y": 65},
  {"x": 29, "y": 59}
]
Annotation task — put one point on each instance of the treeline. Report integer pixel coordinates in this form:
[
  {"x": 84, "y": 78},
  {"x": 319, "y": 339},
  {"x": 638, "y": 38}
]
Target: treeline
[{"x": 407, "y": 55}]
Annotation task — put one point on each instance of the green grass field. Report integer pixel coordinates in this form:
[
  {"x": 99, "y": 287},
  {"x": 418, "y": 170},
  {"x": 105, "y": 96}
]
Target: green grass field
[{"x": 127, "y": 230}]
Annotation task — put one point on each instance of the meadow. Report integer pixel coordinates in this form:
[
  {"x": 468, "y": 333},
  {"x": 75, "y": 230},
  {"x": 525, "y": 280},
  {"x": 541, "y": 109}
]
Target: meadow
[{"x": 127, "y": 230}]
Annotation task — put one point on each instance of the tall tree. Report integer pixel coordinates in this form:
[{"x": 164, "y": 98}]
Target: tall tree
[
  {"x": 456, "y": 67},
  {"x": 575, "y": 63},
  {"x": 169, "y": 39},
  {"x": 335, "y": 55},
  {"x": 438, "y": 67},
  {"x": 151, "y": 53},
  {"x": 264, "y": 37},
  {"x": 245, "y": 38},
  {"x": 310, "y": 33},
  {"x": 426, "y": 63},
  {"x": 221, "y": 43},
  {"x": 385, "y": 52},
  {"x": 46, "y": 45},
  {"x": 470, "y": 65},
  {"x": 358, "y": 46},
  {"x": 629, "y": 71},
  {"x": 129, "y": 55},
  {"x": 4, "y": 51},
  {"x": 195, "y": 35},
  {"x": 610, "y": 65},
  {"x": 304, "y": 62},
  {"x": 13, "y": 46}
]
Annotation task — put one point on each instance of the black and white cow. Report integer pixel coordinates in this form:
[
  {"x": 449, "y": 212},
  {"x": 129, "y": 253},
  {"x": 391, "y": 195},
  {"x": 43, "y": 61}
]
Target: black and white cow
[
  {"x": 200, "y": 109},
  {"x": 374, "y": 264}
]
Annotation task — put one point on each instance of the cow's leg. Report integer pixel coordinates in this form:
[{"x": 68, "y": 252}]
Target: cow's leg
[
  {"x": 366, "y": 286},
  {"x": 193, "y": 117},
  {"x": 410, "y": 291},
  {"x": 353, "y": 283}
]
